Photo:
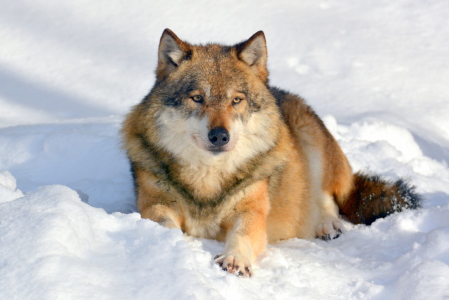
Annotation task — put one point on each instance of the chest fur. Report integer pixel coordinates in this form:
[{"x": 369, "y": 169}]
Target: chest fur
[{"x": 212, "y": 222}]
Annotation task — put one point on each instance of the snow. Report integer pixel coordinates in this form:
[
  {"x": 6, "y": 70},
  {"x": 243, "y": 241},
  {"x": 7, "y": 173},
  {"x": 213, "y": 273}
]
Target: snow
[{"x": 376, "y": 72}]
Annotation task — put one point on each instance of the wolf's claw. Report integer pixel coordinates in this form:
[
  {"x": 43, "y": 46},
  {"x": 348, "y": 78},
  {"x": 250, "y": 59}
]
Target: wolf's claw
[{"x": 232, "y": 264}]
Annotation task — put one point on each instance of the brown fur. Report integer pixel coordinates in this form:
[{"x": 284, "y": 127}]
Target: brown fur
[
  {"x": 310, "y": 132},
  {"x": 374, "y": 198},
  {"x": 275, "y": 176}
]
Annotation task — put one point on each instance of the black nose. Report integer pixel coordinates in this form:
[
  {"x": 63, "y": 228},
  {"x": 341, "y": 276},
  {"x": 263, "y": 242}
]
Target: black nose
[{"x": 218, "y": 136}]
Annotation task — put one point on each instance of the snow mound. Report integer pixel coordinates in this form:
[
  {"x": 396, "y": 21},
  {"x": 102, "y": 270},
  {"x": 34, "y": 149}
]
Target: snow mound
[
  {"x": 8, "y": 187},
  {"x": 86, "y": 156},
  {"x": 74, "y": 251},
  {"x": 384, "y": 148}
]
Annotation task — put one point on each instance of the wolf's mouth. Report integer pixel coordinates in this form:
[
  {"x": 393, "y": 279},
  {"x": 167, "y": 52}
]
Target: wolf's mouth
[{"x": 215, "y": 150}]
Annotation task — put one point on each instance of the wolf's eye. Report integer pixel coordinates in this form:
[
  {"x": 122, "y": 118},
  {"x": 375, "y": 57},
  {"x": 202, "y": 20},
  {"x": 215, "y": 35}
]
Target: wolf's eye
[
  {"x": 197, "y": 98},
  {"x": 236, "y": 100}
]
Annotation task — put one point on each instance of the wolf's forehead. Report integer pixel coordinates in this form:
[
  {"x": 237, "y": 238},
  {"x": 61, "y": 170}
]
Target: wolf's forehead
[
  {"x": 215, "y": 59},
  {"x": 214, "y": 74},
  {"x": 213, "y": 89},
  {"x": 219, "y": 84},
  {"x": 214, "y": 69}
]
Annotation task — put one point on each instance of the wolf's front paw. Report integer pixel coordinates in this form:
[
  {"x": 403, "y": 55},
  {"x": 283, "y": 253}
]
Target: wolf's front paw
[
  {"x": 329, "y": 228},
  {"x": 236, "y": 265}
]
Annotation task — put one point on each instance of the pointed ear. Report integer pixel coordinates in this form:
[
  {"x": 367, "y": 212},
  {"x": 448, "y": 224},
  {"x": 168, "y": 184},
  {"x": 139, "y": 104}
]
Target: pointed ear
[
  {"x": 254, "y": 53},
  {"x": 172, "y": 51}
]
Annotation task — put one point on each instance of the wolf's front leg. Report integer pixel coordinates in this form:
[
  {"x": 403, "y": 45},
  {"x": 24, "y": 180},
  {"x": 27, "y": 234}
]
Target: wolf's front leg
[
  {"x": 163, "y": 215},
  {"x": 154, "y": 202},
  {"x": 247, "y": 234}
]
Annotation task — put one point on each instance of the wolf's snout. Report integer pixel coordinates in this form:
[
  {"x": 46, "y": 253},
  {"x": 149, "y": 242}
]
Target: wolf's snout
[{"x": 218, "y": 136}]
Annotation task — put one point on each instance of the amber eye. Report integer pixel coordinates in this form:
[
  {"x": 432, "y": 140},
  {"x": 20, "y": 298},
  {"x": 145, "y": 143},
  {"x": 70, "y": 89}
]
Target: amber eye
[
  {"x": 237, "y": 100},
  {"x": 197, "y": 98}
]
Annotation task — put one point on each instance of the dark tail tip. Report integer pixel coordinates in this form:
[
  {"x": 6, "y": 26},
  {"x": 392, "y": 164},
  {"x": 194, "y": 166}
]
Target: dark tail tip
[{"x": 373, "y": 198}]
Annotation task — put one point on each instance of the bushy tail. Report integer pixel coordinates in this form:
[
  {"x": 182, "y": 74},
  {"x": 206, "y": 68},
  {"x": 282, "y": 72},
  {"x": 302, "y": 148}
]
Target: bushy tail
[{"x": 373, "y": 197}]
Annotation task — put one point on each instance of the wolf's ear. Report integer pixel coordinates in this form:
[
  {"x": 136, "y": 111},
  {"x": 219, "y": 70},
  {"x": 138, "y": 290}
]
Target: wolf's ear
[
  {"x": 254, "y": 53},
  {"x": 172, "y": 51}
]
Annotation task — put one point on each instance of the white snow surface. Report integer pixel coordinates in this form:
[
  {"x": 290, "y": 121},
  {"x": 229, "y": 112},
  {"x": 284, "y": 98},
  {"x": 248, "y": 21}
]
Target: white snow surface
[{"x": 377, "y": 72}]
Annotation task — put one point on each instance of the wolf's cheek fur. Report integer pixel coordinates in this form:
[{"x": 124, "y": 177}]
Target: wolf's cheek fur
[
  {"x": 197, "y": 128},
  {"x": 257, "y": 135},
  {"x": 173, "y": 133}
]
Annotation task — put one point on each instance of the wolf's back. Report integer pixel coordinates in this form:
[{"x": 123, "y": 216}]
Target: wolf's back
[{"x": 373, "y": 197}]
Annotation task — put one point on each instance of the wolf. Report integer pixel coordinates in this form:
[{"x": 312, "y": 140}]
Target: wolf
[{"x": 220, "y": 154}]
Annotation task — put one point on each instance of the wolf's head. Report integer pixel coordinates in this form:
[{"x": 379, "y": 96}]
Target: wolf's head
[{"x": 212, "y": 98}]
